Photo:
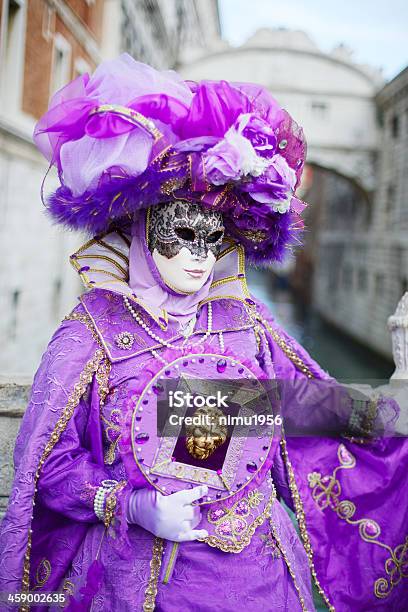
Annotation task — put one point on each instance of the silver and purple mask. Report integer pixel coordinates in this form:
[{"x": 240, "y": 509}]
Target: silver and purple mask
[
  {"x": 175, "y": 225},
  {"x": 184, "y": 240}
]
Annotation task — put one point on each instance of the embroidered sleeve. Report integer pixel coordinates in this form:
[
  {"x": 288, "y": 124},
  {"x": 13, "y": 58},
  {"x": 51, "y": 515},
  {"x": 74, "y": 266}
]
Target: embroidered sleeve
[{"x": 70, "y": 382}]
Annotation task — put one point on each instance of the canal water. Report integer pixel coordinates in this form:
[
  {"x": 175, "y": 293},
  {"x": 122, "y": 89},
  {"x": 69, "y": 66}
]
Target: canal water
[{"x": 337, "y": 353}]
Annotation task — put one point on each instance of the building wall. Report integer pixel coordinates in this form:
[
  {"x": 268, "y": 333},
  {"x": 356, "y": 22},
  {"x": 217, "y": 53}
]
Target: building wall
[
  {"x": 38, "y": 287},
  {"x": 371, "y": 258}
]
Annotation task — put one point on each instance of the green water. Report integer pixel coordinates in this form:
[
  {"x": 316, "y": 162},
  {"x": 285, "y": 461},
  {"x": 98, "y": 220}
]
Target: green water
[{"x": 337, "y": 353}]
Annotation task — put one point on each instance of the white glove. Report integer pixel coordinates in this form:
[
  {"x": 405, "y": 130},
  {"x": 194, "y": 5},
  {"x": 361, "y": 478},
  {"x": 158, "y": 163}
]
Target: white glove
[{"x": 171, "y": 517}]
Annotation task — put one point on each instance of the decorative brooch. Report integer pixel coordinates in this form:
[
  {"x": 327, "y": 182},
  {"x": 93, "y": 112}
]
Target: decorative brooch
[{"x": 124, "y": 340}]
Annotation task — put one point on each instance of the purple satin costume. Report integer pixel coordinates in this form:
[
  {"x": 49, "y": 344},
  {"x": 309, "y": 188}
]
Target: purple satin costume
[
  {"x": 354, "y": 550},
  {"x": 122, "y": 140}
]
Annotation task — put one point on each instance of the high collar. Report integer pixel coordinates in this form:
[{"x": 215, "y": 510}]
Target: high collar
[{"x": 103, "y": 263}]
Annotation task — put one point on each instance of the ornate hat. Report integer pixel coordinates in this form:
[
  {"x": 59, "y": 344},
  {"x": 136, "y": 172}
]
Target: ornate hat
[{"x": 130, "y": 137}]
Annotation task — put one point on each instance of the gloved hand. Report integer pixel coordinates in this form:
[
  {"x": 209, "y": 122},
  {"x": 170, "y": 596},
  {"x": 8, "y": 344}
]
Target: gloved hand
[{"x": 171, "y": 517}]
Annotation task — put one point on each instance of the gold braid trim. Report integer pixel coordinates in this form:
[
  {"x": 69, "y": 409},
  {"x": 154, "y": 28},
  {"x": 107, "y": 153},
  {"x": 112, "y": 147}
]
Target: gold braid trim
[
  {"x": 103, "y": 371},
  {"x": 82, "y": 317},
  {"x": 289, "y": 566},
  {"x": 301, "y": 519},
  {"x": 111, "y": 501},
  {"x": 79, "y": 389},
  {"x": 297, "y": 500},
  {"x": 155, "y": 565},
  {"x": 289, "y": 352}
]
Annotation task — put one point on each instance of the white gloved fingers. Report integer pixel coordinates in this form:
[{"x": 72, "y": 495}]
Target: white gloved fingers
[
  {"x": 187, "y": 496},
  {"x": 192, "y": 523},
  {"x": 193, "y": 534}
]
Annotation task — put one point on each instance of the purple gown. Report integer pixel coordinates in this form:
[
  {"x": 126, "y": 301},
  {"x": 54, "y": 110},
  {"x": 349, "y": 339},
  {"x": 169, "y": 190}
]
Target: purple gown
[{"x": 351, "y": 499}]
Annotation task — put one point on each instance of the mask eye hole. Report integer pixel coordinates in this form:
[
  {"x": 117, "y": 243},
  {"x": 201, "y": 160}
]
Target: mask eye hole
[
  {"x": 215, "y": 236},
  {"x": 185, "y": 233}
]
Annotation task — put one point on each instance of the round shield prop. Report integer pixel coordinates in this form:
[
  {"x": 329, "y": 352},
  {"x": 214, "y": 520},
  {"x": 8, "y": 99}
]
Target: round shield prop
[{"x": 204, "y": 419}]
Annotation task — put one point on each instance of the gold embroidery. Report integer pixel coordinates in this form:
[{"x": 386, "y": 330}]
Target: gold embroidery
[
  {"x": 79, "y": 389},
  {"x": 288, "y": 564},
  {"x": 85, "y": 319},
  {"x": 253, "y": 235},
  {"x": 396, "y": 568},
  {"x": 155, "y": 565},
  {"x": 68, "y": 588},
  {"x": 231, "y": 517},
  {"x": 42, "y": 574},
  {"x": 301, "y": 519},
  {"x": 113, "y": 427},
  {"x": 326, "y": 491},
  {"x": 172, "y": 185},
  {"x": 289, "y": 352},
  {"x": 111, "y": 501}
]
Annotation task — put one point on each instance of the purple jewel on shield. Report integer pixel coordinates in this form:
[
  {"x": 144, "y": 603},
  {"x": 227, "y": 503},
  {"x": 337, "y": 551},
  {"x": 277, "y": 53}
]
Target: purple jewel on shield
[
  {"x": 221, "y": 365},
  {"x": 201, "y": 360},
  {"x": 251, "y": 466},
  {"x": 142, "y": 438},
  {"x": 240, "y": 370},
  {"x": 145, "y": 401},
  {"x": 83, "y": 269},
  {"x": 157, "y": 388},
  {"x": 138, "y": 417},
  {"x": 167, "y": 372}
]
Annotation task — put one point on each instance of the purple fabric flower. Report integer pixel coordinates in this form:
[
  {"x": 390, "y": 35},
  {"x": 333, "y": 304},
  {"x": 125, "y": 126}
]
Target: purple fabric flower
[
  {"x": 243, "y": 151},
  {"x": 275, "y": 187},
  {"x": 260, "y": 134},
  {"x": 248, "y": 149}
]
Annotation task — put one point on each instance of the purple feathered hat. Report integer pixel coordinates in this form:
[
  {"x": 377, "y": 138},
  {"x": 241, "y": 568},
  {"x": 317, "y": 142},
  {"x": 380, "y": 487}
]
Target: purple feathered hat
[{"x": 129, "y": 137}]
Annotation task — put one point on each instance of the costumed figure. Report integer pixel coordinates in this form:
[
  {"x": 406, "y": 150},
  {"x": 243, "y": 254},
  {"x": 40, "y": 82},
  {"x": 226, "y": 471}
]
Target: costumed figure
[{"x": 179, "y": 184}]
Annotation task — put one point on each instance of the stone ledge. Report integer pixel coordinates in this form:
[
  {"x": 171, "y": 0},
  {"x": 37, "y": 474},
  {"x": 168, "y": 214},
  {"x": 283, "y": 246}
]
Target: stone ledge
[{"x": 14, "y": 396}]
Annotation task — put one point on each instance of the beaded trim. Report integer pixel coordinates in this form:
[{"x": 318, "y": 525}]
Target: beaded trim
[
  {"x": 106, "y": 487},
  {"x": 288, "y": 565},
  {"x": 155, "y": 565},
  {"x": 297, "y": 501},
  {"x": 289, "y": 352},
  {"x": 183, "y": 346},
  {"x": 301, "y": 519}
]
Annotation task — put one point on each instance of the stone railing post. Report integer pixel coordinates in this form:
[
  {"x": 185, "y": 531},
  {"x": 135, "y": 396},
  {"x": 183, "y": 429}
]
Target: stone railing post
[{"x": 398, "y": 326}]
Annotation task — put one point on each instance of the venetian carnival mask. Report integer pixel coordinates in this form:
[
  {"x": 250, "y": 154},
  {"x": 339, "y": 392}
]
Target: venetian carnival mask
[{"x": 184, "y": 240}]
